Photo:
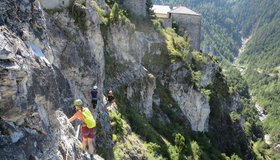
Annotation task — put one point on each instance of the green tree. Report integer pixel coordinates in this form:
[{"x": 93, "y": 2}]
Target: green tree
[
  {"x": 114, "y": 15},
  {"x": 179, "y": 142}
]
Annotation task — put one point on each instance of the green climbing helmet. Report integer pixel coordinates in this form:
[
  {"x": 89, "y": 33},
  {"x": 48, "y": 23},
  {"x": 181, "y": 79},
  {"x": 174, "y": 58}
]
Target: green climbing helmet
[{"x": 78, "y": 102}]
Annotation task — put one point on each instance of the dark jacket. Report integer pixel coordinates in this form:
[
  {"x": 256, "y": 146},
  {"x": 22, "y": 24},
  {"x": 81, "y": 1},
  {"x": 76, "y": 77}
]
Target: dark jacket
[
  {"x": 94, "y": 94},
  {"x": 110, "y": 99}
]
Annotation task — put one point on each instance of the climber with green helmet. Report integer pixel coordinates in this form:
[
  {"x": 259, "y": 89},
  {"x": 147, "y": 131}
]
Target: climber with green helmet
[{"x": 88, "y": 127}]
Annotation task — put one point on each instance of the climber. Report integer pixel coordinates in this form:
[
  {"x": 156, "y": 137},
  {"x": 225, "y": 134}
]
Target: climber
[
  {"x": 110, "y": 99},
  {"x": 88, "y": 125},
  {"x": 94, "y": 97}
]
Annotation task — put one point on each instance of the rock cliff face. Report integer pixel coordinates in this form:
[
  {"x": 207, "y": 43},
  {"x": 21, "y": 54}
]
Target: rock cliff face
[
  {"x": 37, "y": 90},
  {"x": 30, "y": 100},
  {"x": 143, "y": 92},
  {"x": 194, "y": 105},
  {"x": 36, "y": 87}
]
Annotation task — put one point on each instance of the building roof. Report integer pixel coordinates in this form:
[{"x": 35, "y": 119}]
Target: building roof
[
  {"x": 183, "y": 10},
  {"x": 161, "y": 9}
]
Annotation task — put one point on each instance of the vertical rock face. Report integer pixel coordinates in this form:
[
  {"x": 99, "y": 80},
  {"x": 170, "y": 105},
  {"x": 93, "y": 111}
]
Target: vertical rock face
[
  {"x": 78, "y": 54},
  {"x": 11, "y": 73},
  {"x": 123, "y": 41},
  {"x": 142, "y": 93},
  {"x": 147, "y": 95},
  {"x": 28, "y": 22},
  {"x": 128, "y": 47},
  {"x": 193, "y": 104},
  {"x": 35, "y": 90},
  {"x": 208, "y": 72},
  {"x": 125, "y": 56}
]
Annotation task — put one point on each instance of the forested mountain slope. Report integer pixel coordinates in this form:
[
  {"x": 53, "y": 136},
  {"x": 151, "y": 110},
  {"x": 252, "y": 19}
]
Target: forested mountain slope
[
  {"x": 258, "y": 21},
  {"x": 262, "y": 57}
]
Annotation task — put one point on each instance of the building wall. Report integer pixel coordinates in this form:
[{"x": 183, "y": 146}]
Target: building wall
[
  {"x": 137, "y": 7},
  {"x": 51, "y": 4},
  {"x": 161, "y": 15},
  {"x": 190, "y": 25},
  {"x": 166, "y": 22}
]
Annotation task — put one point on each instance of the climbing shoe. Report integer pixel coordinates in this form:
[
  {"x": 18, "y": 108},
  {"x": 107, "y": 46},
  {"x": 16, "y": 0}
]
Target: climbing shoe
[{"x": 91, "y": 157}]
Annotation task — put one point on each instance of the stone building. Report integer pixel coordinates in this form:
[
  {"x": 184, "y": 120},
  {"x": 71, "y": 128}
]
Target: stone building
[
  {"x": 163, "y": 12},
  {"x": 189, "y": 22},
  {"x": 51, "y": 4},
  {"x": 138, "y": 7}
]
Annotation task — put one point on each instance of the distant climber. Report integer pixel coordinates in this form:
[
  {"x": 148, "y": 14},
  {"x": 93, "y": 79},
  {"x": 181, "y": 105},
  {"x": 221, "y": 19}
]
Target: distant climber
[
  {"x": 88, "y": 125},
  {"x": 94, "y": 97},
  {"x": 110, "y": 99}
]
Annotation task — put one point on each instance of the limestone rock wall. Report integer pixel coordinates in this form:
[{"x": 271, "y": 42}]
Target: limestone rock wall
[
  {"x": 143, "y": 91},
  {"x": 78, "y": 55},
  {"x": 127, "y": 48},
  {"x": 35, "y": 90},
  {"x": 208, "y": 71},
  {"x": 194, "y": 105},
  {"x": 45, "y": 61}
]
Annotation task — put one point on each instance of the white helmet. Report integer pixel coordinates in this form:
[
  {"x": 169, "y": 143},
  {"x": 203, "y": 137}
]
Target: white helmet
[{"x": 94, "y": 87}]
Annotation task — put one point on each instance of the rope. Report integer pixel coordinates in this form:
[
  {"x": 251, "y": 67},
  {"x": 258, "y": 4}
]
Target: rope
[
  {"x": 77, "y": 132},
  {"x": 76, "y": 136},
  {"x": 66, "y": 154}
]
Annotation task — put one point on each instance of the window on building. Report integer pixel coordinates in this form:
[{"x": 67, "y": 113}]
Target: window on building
[{"x": 169, "y": 15}]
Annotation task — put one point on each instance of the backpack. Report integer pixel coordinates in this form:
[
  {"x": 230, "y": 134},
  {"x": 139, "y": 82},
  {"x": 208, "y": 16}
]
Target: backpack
[{"x": 88, "y": 118}]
